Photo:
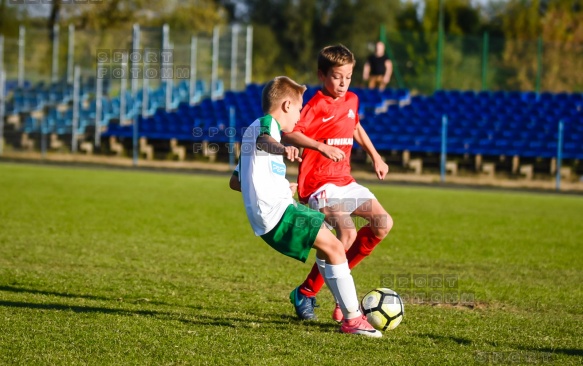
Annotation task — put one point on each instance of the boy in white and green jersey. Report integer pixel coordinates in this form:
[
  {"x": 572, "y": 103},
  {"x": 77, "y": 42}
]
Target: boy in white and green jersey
[{"x": 288, "y": 227}]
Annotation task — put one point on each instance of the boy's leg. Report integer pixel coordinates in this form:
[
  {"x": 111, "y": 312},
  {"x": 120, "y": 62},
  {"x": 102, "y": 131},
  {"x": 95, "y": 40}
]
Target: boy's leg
[
  {"x": 337, "y": 273},
  {"x": 341, "y": 284},
  {"x": 345, "y": 232},
  {"x": 367, "y": 238},
  {"x": 358, "y": 244}
]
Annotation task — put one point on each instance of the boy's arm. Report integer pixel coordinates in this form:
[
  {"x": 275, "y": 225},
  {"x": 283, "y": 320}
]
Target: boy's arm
[
  {"x": 270, "y": 145},
  {"x": 388, "y": 70},
  {"x": 380, "y": 167},
  {"x": 366, "y": 71},
  {"x": 234, "y": 183},
  {"x": 298, "y": 139}
]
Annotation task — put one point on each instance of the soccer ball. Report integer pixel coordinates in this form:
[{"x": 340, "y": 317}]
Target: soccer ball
[{"x": 383, "y": 308}]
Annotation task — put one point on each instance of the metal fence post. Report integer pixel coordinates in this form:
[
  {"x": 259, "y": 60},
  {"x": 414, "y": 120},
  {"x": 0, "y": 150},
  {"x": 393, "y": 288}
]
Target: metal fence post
[
  {"x": 485, "y": 51},
  {"x": 21, "y": 44},
  {"x": 192, "y": 86},
  {"x": 232, "y": 124},
  {"x": 76, "y": 102},
  {"x": 559, "y": 155},
  {"x": 215, "y": 62},
  {"x": 234, "y": 48},
  {"x": 539, "y": 58},
  {"x": 134, "y": 57},
  {"x": 2, "y": 107},
  {"x": 70, "y": 53},
  {"x": 166, "y": 64},
  {"x": 248, "y": 55},
  {"x": 98, "y": 105},
  {"x": 145, "y": 91},
  {"x": 439, "y": 48},
  {"x": 443, "y": 147},
  {"x": 43, "y": 137},
  {"x": 1, "y": 52},
  {"x": 55, "y": 61},
  {"x": 123, "y": 88},
  {"x": 135, "y": 139}
]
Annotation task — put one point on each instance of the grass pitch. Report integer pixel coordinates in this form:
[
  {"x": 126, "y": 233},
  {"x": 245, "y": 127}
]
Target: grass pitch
[{"x": 102, "y": 267}]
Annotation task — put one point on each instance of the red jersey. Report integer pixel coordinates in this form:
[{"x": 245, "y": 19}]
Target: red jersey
[{"x": 331, "y": 122}]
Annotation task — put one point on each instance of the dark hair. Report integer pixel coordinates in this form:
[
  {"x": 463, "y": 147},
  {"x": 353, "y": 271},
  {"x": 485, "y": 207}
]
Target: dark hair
[{"x": 332, "y": 56}]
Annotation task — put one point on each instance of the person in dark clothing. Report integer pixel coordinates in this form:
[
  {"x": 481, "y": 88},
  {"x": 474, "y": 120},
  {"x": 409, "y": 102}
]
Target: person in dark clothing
[{"x": 378, "y": 68}]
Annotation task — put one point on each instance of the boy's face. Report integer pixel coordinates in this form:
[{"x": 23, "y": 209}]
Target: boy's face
[
  {"x": 337, "y": 80},
  {"x": 292, "y": 115}
]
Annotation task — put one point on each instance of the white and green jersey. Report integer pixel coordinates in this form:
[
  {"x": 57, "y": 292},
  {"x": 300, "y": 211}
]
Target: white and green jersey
[{"x": 265, "y": 189}]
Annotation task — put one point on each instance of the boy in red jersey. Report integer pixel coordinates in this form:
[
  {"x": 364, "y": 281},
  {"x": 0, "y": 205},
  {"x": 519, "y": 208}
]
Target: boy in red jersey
[{"x": 328, "y": 126}]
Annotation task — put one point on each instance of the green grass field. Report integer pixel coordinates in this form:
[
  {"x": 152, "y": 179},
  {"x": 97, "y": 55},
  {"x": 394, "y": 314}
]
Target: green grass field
[{"x": 111, "y": 267}]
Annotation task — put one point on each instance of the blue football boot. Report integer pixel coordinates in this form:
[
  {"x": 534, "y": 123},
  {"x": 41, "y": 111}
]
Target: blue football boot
[{"x": 304, "y": 305}]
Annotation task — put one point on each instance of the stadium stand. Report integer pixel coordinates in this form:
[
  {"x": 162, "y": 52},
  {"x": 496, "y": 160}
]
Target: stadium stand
[{"x": 488, "y": 130}]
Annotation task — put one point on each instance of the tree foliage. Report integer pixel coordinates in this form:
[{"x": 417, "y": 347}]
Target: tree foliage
[
  {"x": 559, "y": 24},
  {"x": 289, "y": 33}
]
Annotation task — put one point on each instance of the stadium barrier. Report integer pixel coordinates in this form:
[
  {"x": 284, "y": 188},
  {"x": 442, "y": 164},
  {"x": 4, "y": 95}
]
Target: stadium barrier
[{"x": 107, "y": 109}]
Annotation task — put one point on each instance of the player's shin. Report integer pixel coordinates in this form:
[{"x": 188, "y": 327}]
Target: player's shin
[
  {"x": 322, "y": 268},
  {"x": 341, "y": 283},
  {"x": 363, "y": 245},
  {"x": 313, "y": 283}
]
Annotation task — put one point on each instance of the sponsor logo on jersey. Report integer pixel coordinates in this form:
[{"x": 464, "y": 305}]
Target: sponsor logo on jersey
[
  {"x": 327, "y": 119},
  {"x": 278, "y": 168},
  {"x": 343, "y": 141},
  {"x": 351, "y": 114}
]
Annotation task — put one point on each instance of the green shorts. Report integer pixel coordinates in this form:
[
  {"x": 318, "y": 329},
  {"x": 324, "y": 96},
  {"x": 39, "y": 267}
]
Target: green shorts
[{"x": 296, "y": 232}]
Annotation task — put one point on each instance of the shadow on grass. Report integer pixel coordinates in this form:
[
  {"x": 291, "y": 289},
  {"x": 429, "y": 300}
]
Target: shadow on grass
[
  {"x": 545, "y": 350},
  {"x": 467, "y": 342},
  {"x": 564, "y": 351},
  {"x": 279, "y": 321},
  {"x": 437, "y": 337},
  {"x": 78, "y": 296}
]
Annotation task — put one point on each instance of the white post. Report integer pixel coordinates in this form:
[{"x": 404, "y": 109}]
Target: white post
[
  {"x": 249, "y": 55},
  {"x": 134, "y": 58},
  {"x": 145, "y": 89},
  {"x": 192, "y": 88},
  {"x": 166, "y": 65},
  {"x": 215, "y": 62},
  {"x": 76, "y": 102},
  {"x": 234, "y": 48},
  {"x": 21, "y": 44},
  {"x": 1, "y": 52},
  {"x": 98, "y": 106},
  {"x": 70, "y": 54},
  {"x": 123, "y": 88},
  {"x": 559, "y": 154},
  {"x": 2, "y": 107},
  {"x": 55, "y": 70}
]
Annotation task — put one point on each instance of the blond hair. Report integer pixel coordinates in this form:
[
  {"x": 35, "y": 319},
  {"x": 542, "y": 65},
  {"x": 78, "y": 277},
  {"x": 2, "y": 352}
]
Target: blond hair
[
  {"x": 279, "y": 89},
  {"x": 332, "y": 56}
]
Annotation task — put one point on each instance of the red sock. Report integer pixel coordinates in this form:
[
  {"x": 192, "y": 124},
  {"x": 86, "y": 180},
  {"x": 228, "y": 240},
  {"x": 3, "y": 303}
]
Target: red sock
[
  {"x": 363, "y": 245},
  {"x": 313, "y": 282}
]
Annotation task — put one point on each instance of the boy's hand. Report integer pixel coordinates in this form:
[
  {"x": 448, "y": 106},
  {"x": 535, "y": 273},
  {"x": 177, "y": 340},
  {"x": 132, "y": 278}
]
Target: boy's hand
[
  {"x": 331, "y": 152},
  {"x": 294, "y": 188},
  {"x": 292, "y": 153},
  {"x": 380, "y": 167}
]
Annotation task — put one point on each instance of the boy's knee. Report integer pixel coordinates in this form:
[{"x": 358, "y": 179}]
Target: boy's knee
[
  {"x": 383, "y": 226},
  {"x": 348, "y": 238},
  {"x": 336, "y": 252}
]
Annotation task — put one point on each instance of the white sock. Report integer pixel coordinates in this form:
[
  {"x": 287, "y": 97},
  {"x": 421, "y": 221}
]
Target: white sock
[
  {"x": 322, "y": 268},
  {"x": 341, "y": 283}
]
